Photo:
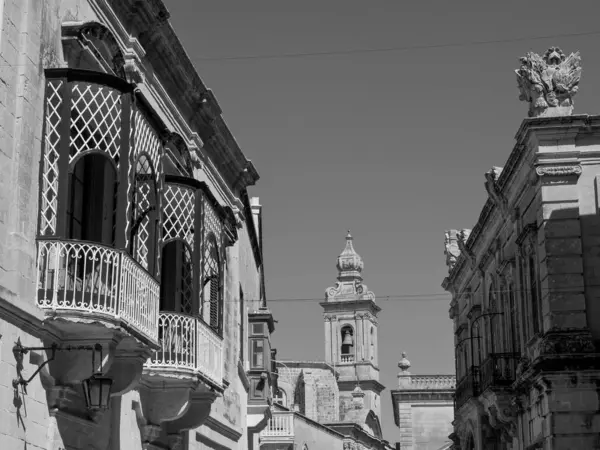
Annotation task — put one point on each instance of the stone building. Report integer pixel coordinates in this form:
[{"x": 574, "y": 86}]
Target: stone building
[
  {"x": 338, "y": 400},
  {"x": 423, "y": 409},
  {"x": 524, "y": 279},
  {"x": 130, "y": 252}
]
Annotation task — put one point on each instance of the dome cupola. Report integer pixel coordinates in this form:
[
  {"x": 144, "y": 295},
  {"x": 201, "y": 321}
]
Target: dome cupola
[{"x": 349, "y": 263}]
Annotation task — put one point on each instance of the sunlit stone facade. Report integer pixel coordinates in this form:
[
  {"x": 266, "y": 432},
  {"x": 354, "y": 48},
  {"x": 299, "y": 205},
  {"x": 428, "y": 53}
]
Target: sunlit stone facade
[
  {"x": 524, "y": 280},
  {"x": 423, "y": 409},
  {"x": 130, "y": 252}
]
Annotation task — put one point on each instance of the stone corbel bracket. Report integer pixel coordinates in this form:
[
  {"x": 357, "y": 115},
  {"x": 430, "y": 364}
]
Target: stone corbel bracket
[
  {"x": 493, "y": 190},
  {"x": 463, "y": 236}
]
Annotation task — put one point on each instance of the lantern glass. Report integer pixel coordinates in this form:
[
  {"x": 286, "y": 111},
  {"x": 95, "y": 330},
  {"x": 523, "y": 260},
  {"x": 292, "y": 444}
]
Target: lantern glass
[{"x": 96, "y": 390}]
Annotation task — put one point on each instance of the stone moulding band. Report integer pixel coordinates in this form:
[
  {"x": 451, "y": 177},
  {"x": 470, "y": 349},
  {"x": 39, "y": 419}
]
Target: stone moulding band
[{"x": 558, "y": 171}]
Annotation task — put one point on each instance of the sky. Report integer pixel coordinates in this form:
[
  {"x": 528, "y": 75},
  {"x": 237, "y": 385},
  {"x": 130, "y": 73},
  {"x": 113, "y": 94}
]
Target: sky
[{"x": 391, "y": 145}]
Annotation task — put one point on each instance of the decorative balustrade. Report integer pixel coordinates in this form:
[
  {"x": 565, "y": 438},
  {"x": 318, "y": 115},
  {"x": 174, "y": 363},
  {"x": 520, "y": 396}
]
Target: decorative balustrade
[
  {"x": 425, "y": 382},
  {"x": 499, "y": 370},
  {"x": 347, "y": 358},
  {"x": 188, "y": 344},
  {"x": 281, "y": 426},
  {"x": 87, "y": 277},
  {"x": 467, "y": 387}
]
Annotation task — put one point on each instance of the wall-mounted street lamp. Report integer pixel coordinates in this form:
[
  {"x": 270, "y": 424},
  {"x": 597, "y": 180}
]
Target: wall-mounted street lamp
[{"x": 96, "y": 389}]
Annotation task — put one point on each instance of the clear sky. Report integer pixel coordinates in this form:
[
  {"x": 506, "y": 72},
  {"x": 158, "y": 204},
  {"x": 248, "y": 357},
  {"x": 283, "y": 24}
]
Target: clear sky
[{"x": 393, "y": 145}]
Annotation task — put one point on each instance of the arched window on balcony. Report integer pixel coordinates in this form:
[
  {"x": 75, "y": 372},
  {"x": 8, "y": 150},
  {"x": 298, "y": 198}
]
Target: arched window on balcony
[
  {"x": 176, "y": 286},
  {"x": 347, "y": 347},
  {"x": 212, "y": 296},
  {"x": 145, "y": 217},
  {"x": 91, "y": 209}
]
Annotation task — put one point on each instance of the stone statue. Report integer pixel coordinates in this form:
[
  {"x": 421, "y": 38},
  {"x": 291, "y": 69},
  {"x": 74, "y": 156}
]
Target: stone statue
[{"x": 549, "y": 82}]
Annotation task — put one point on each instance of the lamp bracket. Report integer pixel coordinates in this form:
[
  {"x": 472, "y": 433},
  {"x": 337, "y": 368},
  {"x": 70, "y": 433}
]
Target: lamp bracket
[{"x": 19, "y": 351}]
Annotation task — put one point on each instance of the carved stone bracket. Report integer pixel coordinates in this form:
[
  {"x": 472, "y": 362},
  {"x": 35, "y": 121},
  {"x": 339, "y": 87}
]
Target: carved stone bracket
[
  {"x": 463, "y": 237},
  {"x": 491, "y": 186},
  {"x": 501, "y": 415},
  {"x": 201, "y": 401}
]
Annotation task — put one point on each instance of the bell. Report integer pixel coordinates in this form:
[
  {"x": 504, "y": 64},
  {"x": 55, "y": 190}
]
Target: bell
[{"x": 348, "y": 339}]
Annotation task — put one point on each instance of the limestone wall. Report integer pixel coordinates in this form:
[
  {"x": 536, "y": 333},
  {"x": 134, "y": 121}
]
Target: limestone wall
[
  {"x": 313, "y": 390},
  {"x": 309, "y": 436},
  {"x": 431, "y": 425}
]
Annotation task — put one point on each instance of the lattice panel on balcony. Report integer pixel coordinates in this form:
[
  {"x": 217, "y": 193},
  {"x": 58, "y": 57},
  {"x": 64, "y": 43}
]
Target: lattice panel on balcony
[
  {"x": 95, "y": 120},
  {"x": 48, "y": 206},
  {"x": 212, "y": 222},
  {"x": 147, "y": 141},
  {"x": 179, "y": 214},
  {"x": 210, "y": 282},
  {"x": 144, "y": 199},
  {"x": 187, "y": 283}
]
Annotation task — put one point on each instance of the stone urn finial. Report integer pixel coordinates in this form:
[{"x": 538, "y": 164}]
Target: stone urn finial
[{"x": 404, "y": 364}]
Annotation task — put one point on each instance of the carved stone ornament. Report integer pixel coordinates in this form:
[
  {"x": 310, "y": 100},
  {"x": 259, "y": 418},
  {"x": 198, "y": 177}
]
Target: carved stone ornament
[
  {"x": 463, "y": 237},
  {"x": 451, "y": 249},
  {"x": 522, "y": 366},
  {"x": 559, "y": 343},
  {"x": 358, "y": 287},
  {"x": 491, "y": 186},
  {"x": 549, "y": 82},
  {"x": 558, "y": 171}
]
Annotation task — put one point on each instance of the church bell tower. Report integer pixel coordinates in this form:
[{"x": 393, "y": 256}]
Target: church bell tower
[{"x": 350, "y": 314}]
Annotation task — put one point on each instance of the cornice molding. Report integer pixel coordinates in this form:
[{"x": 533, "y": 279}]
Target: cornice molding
[{"x": 223, "y": 429}]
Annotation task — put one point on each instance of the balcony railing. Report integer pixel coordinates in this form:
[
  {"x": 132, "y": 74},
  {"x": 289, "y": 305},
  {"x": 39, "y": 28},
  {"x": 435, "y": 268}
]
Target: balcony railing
[
  {"x": 188, "y": 344},
  {"x": 499, "y": 370},
  {"x": 347, "y": 358},
  {"x": 280, "y": 427},
  {"x": 467, "y": 387},
  {"x": 87, "y": 277}
]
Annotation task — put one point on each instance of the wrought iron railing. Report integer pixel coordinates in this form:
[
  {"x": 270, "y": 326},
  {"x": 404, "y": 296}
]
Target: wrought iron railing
[
  {"x": 467, "y": 387},
  {"x": 281, "y": 426},
  {"x": 93, "y": 278},
  {"x": 188, "y": 344},
  {"x": 499, "y": 370}
]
